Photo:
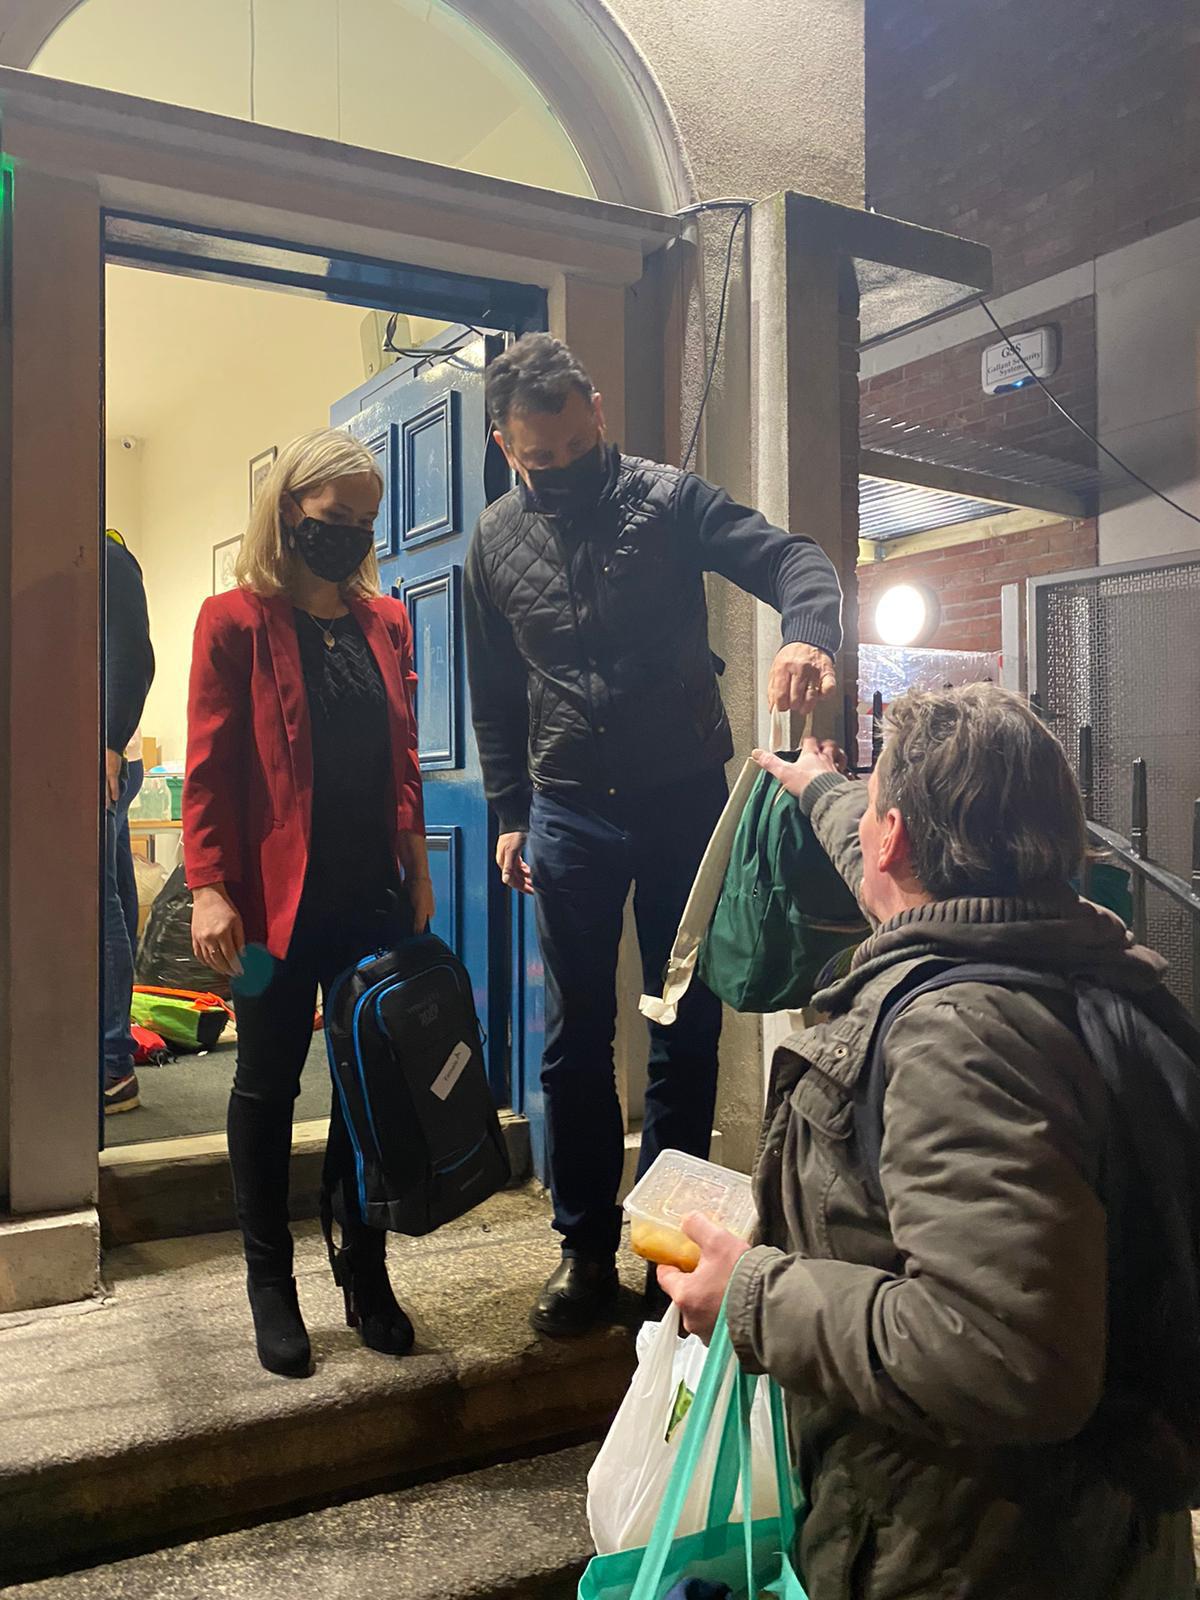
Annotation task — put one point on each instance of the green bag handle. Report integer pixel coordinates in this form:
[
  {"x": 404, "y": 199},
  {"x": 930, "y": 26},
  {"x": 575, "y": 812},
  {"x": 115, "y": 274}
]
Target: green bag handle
[
  {"x": 733, "y": 1463},
  {"x": 699, "y": 1419},
  {"x": 784, "y": 1480}
]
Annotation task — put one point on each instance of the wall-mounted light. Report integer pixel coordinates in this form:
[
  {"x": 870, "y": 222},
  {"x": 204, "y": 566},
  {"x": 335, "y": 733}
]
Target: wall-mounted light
[{"x": 907, "y": 614}]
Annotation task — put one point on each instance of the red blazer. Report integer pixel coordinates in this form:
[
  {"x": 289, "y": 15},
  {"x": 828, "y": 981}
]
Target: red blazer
[{"x": 247, "y": 796}]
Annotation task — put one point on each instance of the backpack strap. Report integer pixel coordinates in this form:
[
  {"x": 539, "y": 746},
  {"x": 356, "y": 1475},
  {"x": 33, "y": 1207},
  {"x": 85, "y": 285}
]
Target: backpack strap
[{"x": 925, "y": 978}]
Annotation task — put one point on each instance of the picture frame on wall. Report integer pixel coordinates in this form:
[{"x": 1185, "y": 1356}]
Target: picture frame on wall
[
  {"x": 260, "y": 465},
  {"x": 224, "y": 559}
]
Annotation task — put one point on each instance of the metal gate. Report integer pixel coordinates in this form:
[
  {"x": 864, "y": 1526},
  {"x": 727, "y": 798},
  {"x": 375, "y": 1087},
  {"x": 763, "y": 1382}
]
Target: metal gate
[{"x": 1117, "y": 650}]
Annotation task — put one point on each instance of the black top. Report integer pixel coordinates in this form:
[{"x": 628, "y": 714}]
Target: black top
[
  {"x": 587, "y": 637},
  {"x": 351, "y": 861},
  {"x": 128, "y": 656}
]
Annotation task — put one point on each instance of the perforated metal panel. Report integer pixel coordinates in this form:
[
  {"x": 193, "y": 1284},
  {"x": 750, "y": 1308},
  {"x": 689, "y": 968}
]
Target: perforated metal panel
[{"x": 1119, "y": 650}]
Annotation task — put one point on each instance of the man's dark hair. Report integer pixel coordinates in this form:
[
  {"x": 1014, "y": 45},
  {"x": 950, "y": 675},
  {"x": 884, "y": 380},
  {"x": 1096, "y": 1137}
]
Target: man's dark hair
[
  {"x": 986, "y": 792},
  {"x": 537, "y": 373}
]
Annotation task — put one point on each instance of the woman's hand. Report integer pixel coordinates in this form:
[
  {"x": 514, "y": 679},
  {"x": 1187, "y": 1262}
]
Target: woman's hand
[
  {"x": 217, "y": 936},
  {"x": 420, "y": 894}
]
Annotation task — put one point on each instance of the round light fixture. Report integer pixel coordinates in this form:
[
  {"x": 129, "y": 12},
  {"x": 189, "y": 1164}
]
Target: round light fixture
[{"x": 906, "y": 614}]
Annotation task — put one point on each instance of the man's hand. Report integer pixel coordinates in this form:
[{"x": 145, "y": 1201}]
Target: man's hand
[
  {"x": 800, "y": 676},
  {"x": 816, "y": 756},
  {"x": 511, "y": 863},
  {"x": 700, "y": 1294},
  {"x": 113, "y": 761},
  {"x": 217, "y": 936}
]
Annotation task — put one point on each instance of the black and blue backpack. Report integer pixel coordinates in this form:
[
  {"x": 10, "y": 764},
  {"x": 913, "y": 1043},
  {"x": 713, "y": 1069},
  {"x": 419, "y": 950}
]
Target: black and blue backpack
[{"x": 406, "y": 1055}]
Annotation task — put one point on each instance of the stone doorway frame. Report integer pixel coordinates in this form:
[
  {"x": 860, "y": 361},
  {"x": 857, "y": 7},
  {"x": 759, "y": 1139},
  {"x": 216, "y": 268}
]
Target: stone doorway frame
[{"x": 69, "y": 155}]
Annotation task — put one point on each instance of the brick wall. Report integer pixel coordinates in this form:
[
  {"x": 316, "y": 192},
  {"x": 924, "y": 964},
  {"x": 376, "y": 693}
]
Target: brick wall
[
  {"x": 967, "y": 580},
  {"x": 945, "y": 391},
  {"x": 1051, "y": 130}
]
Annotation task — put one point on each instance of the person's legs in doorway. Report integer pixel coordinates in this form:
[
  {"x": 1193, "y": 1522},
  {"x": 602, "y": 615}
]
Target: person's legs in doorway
[
  {"x": 126, "y": 876},
  {"x": 581, "y": 873},
  {"x": 120, "y": 1086},
  {"x": 274, "y": 1034},
  {"x": 669, "y": 838}
]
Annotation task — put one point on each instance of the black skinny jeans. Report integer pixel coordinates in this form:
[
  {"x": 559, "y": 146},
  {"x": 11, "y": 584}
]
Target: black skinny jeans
[{"x": 275, "y": 1033}]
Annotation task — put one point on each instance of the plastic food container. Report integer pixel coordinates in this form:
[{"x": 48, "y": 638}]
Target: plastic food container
[{"x": 676, "y": 1186}]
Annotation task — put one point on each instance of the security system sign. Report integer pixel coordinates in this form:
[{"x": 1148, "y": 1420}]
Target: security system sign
[{"x": 1004, "y": 368}]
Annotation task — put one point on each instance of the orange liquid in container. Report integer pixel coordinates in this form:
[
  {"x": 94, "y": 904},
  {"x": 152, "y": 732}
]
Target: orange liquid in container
[{"x": 676, "y": 1186}]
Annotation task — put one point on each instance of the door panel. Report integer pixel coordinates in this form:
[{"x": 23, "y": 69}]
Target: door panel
[{"x": 427, "y": 429}]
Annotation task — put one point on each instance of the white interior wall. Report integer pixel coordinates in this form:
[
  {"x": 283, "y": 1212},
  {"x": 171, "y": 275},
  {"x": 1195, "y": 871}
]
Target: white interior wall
[
  {"x": 203, "y": 377},
  {"x": 1148, "y": 355}
]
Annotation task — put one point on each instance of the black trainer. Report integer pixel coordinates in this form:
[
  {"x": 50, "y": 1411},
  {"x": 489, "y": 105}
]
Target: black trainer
[{"x": 577, "y": 1295}]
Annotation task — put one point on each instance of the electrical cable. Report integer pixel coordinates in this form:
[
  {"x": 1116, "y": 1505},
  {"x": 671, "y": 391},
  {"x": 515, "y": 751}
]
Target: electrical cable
[
  {"x": 1078, "y": 426},
  {"x": 425, "y": 356},
  {"x": 743, "y": 211},
  {"x": 722, "y": 203}
]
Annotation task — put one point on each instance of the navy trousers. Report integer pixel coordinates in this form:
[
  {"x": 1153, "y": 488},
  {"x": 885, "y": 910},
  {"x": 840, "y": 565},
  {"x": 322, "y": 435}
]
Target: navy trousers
[{"x": 583, "y": 862}]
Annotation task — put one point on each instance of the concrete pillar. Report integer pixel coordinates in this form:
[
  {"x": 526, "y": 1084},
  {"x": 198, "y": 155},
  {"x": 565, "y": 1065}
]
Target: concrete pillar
[
  {"x": 804, "y": 355},
  {"x": 49, "y": 692},
  {"x": 590, "y": 317}
]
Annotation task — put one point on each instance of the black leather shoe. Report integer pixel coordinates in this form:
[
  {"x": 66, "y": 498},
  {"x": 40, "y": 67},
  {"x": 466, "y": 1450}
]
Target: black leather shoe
[
  {"x": 576, "y": 1296},
  {"x": 279, "y": 1333}
]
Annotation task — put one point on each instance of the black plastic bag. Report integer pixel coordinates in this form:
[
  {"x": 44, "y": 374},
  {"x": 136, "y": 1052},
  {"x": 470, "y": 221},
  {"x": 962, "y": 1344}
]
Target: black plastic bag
[{"x": 165, "y": 959}]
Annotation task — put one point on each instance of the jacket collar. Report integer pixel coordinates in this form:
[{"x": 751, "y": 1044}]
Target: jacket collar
[{"x": 1056, "y": 932}]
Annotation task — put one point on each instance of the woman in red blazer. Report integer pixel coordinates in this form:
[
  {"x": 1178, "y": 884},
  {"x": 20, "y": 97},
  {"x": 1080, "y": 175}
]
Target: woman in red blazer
[{"x": 303, "y": 835}]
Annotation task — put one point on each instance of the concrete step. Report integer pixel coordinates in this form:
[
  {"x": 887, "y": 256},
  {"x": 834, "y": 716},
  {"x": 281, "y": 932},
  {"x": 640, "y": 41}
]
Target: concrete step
[
  {"x": 146, "y": 1416},
  {"x": 168, "y": 1188},
  {"x": 511, "y": 1532}
]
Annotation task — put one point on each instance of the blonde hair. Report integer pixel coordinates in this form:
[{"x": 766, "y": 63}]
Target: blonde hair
[{"x": 264, "y": 563}]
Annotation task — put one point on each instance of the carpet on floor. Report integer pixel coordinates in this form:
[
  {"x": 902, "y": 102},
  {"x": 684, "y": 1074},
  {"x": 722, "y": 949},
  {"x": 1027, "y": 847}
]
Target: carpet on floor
[{"x": 189, "y": 1095}]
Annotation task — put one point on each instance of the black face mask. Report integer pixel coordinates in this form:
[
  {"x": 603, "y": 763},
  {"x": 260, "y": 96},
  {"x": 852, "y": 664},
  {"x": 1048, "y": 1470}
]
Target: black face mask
[
  {"x": 332, "y": 550},
  {"x": 574, "y": 489}
]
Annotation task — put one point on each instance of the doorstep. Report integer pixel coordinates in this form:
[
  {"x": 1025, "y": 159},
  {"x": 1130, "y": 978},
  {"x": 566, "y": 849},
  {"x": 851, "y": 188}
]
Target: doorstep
[
  {"x": 146, "y": 1415},
  {"x": 169, "y": 1188}
]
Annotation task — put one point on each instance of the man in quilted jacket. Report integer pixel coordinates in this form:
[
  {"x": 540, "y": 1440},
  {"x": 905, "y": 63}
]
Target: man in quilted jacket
[{"x": 603, "y": 741}]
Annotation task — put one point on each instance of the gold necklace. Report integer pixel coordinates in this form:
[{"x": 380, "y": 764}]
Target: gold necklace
[{"x": 322, "y": 628}]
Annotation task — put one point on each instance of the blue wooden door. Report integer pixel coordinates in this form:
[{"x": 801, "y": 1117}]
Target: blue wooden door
[{"x": 428, "y": 428}]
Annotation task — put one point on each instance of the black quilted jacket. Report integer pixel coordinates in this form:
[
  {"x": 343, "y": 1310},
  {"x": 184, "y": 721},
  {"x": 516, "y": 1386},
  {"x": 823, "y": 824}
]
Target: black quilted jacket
[{"x": 587, "y": 641}]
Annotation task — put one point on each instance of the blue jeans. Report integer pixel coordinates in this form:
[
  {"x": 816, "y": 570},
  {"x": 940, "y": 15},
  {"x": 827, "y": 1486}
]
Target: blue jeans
[
  {"x": 120, "y": 929},
  {"x": 583, "y": 863}
]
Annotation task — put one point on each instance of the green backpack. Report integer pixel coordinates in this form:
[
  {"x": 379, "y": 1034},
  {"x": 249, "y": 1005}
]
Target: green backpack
[
  {"x": 784, "y": 910},
  {"x": 766, "y": 913}
]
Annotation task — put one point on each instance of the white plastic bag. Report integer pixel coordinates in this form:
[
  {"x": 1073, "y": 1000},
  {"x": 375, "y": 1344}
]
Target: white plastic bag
[{"x": 629, "y": 1476}]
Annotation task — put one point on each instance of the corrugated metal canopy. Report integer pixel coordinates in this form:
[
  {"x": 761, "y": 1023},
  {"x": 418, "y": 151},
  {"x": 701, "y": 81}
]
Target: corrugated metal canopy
[{"x": 914, "y": 478}]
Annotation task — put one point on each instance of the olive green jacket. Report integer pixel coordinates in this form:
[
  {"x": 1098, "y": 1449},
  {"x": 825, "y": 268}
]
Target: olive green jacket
[{"x": 944, "y": 1349}]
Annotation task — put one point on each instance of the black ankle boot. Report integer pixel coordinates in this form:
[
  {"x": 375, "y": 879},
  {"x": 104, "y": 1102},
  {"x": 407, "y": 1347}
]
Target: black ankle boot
[
  {"x": 279, "y": 1333},
  {"x": 360, "y": 1272}
]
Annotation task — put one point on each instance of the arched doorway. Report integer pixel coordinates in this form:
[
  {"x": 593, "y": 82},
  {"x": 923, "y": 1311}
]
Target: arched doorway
[{"x": 557, "y": 94}]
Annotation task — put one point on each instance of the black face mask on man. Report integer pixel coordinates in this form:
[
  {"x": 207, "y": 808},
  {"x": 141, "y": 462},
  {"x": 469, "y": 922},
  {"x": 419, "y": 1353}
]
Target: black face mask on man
[
  {"x": 332, "y": 550},
  {"x": 574, "y": 489}
]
